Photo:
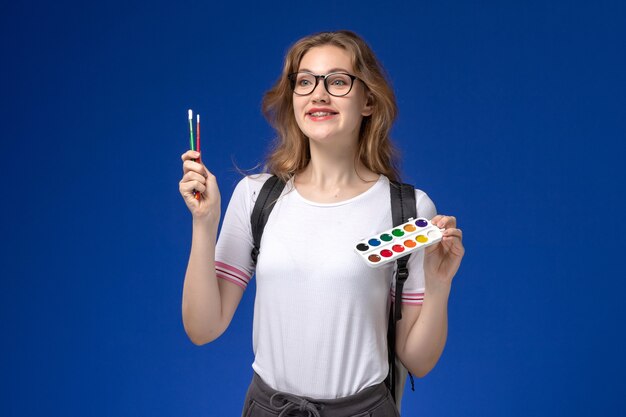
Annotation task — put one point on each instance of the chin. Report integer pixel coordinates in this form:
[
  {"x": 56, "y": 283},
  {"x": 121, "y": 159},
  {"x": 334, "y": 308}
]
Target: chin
[
  {"x": 320, "y": 138},
  {"x": 318, "y": 135}
]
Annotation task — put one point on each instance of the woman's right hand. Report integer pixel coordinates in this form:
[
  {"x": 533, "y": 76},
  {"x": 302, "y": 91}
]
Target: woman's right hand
[{"x": 196, "y": 177}]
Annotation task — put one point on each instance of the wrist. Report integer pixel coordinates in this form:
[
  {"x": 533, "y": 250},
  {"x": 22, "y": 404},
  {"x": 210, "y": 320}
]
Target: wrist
[{"x": 205, "y": 224}]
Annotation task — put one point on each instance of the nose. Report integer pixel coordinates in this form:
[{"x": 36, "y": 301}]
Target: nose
[{"x": 319, "y": 93}]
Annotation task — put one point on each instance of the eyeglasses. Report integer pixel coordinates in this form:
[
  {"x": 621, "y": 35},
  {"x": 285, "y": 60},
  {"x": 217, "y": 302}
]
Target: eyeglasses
[{"x": 337, "y": 84}]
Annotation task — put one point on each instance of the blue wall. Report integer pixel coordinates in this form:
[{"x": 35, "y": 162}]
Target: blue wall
[{"x": 511, "y": 117}]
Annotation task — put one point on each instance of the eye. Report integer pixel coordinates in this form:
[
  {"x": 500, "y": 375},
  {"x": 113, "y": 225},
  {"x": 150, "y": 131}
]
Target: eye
[
  {"x": 305, "y": 80},
  {"x": 339, "y": 80}
]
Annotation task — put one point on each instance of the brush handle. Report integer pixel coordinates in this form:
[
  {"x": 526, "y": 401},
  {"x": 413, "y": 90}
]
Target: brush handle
[
  {"x": 191, "y": 143},
  {"x": 197, "y": 194}
]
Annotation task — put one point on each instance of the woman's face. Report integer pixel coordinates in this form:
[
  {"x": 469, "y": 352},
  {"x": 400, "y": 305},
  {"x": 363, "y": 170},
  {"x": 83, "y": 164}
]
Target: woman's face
[{"x": 325, "y": 118}]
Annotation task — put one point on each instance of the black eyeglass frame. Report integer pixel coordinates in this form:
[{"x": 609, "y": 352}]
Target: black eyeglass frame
[{"x": 292, "y": 78}]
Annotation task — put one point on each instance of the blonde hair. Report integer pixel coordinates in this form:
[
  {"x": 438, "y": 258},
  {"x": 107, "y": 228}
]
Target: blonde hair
[{"x": 291, "y": 152}]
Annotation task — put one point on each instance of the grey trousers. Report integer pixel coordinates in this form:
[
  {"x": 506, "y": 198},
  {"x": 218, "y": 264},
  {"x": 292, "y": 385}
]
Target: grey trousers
[{"x": 263, "y": 401}]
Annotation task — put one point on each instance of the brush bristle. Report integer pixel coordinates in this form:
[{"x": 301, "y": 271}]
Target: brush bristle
[
  {"x": 190, "y": 114},
  {"x": 198, "y": 116}
]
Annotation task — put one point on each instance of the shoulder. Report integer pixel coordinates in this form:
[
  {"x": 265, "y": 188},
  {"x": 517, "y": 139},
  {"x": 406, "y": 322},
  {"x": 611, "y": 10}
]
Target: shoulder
[
  {"x": 425, "y": 206},
  {"x": 245, "y": 193},
  {"x": 250, "y": 185},
  {"x": 255, "y": 181}
]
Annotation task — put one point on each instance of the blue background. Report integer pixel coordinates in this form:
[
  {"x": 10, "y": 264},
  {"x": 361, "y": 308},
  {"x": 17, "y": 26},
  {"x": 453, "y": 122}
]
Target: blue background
[{"x": 511, "y": 118}]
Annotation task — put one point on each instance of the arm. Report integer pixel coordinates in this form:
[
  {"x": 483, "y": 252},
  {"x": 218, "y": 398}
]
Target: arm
[
  {"x": 208, "y": 304},
  {"x": 423, "y": 330},
  {"x": 422, "y": 333}
]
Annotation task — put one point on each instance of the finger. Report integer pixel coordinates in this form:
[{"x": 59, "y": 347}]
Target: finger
[
  {"x": 435, "y": 219},
  {"x": 453, "y": 232},
  {"x": 190, "y": 155},
  {"x": 190, "y": 165},
  {"x": 447, "y": 236},
  {"x": 453, "y": 241},
  {"x": 454, "y": 245},
  {"x": 194, "y": 176},
  {"x": 187, "y": 188},
  {"x": 450, "y": 236},
  {"x": 199, "y": 187},
  {"x": 444, "y": 222},
  {"x": 439, "y": 221}
]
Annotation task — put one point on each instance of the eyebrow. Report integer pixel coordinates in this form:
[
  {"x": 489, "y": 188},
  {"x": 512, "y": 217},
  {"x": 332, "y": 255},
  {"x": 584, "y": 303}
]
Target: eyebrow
[{"x": 329, "y": 71}]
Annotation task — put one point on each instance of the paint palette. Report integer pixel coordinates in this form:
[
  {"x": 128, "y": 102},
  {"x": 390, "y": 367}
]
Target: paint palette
[{"x": 402, "y": 240}]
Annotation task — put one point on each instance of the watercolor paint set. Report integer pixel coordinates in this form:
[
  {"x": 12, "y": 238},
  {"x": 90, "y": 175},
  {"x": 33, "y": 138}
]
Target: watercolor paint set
[{"x": 402, "y": 240}]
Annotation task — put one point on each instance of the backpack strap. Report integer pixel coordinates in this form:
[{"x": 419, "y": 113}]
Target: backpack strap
[
  {"x": 271, "y": 190},
  {"x": 403, "y": 207}
]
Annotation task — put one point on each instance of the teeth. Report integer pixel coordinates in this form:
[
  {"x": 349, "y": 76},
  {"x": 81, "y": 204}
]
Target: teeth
[{"x": 320, "y": 114}]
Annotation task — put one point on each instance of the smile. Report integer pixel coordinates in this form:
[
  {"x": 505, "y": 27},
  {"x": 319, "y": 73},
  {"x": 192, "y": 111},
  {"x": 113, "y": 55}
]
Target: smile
[{"x": 321, "y": 114}]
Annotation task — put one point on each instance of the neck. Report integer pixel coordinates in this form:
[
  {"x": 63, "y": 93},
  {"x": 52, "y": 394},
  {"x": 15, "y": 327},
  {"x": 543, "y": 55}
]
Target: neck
[{"x": 331, "y": 166}]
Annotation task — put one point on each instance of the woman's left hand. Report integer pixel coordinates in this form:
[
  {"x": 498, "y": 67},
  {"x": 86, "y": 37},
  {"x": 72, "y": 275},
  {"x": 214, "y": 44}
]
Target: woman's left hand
[{"x": 443, "y": 259}]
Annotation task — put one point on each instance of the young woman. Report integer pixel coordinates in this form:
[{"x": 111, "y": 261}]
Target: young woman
[{"x": 320, "y": 316}]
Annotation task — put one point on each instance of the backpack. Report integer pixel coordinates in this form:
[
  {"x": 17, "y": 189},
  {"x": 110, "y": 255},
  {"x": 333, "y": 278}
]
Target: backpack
[{"x": 403, "y": 208}]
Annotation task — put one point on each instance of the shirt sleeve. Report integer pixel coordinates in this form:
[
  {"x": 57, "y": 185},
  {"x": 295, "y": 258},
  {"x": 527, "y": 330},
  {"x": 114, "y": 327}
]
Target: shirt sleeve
[
  {"x": 413, "y": 291},
  {"x": 233, "y": 260}
]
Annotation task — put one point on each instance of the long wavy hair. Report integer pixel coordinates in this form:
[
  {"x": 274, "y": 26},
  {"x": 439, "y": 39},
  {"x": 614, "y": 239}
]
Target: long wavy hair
[{"x": 291, "y": 152}]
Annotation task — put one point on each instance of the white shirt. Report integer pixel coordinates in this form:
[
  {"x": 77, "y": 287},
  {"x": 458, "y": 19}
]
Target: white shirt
[{"x": 320, "y": 313}]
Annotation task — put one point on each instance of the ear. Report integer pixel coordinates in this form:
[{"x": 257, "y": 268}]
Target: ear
[{"x": 368, "y": 107}]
